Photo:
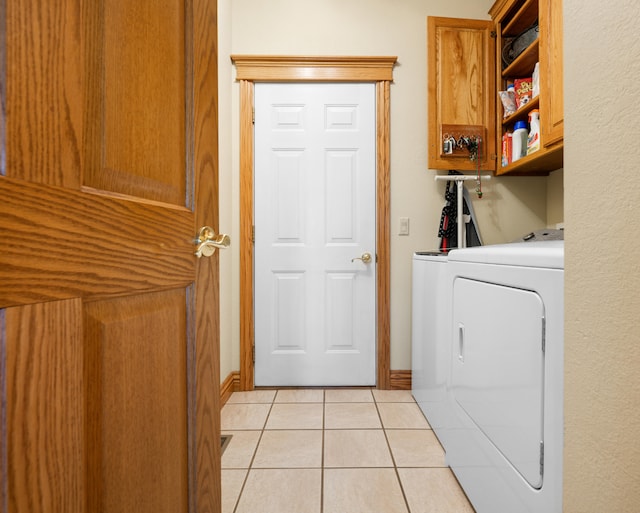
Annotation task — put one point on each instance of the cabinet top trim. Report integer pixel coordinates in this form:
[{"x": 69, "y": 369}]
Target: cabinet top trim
[
  {"x": 497, "y": 7},
  {"x": 299, "y": 68}
]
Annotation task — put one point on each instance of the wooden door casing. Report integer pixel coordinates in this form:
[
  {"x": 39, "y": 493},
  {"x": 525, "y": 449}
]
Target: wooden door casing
[
  {"x": 108, "y": 323},
  {"x": 251, "y": 69}
]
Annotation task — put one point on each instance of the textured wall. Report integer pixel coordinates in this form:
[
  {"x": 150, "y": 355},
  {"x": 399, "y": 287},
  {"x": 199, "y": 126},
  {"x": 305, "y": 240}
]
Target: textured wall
[
  {"x": 602, "y": 198},
  {"x": 555, "y": 199}
]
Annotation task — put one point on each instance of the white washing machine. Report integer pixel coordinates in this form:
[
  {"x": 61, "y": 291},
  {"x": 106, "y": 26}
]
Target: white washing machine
[
  {"x": 430, "y": 347},
  {"x": 506, "y": 372}
]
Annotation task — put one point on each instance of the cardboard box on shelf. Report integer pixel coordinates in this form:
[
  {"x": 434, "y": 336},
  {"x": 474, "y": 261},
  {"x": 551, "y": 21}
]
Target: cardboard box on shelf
[{"x": 524, "y": 91}]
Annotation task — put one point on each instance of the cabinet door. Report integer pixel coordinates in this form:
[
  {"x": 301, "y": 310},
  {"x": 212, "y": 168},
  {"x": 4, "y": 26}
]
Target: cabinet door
[
  {"x": 461, "y": 90},
  {"x": 551, "y": 102}
]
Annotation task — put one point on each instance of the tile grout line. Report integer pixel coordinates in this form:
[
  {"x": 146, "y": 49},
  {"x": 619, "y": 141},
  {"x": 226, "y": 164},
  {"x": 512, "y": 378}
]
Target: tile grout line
[
  {"x": 393, "y": 459},
  {"x": 255, "y": 451}
]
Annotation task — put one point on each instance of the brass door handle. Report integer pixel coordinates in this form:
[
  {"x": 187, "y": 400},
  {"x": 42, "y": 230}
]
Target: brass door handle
[
  {"x": 366, "y": 258},
  {"x": 207, "y": 241}
]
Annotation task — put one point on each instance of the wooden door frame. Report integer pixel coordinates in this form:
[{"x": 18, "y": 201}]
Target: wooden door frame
[{"x": 379, "y": 70}]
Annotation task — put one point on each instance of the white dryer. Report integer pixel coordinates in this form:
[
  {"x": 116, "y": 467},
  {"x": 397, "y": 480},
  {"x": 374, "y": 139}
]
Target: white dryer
[{"x": 506, "y": 333}]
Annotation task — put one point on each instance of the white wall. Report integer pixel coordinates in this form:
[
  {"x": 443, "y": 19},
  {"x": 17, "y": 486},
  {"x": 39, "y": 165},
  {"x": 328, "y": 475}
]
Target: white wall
[
  {"x": 602, "y": 281},
  {"x": 510, "y": 206}
]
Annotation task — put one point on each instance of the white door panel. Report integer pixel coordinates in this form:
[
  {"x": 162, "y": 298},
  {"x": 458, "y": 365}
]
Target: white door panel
[{"x": 314, "y": 212}]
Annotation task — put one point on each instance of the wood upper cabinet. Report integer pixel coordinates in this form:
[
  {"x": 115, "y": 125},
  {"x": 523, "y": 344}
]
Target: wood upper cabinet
[
  {"x": 458, "y": 97},
  {"x": 461, "y": 56},
  {"x": 512, "y": 18}
]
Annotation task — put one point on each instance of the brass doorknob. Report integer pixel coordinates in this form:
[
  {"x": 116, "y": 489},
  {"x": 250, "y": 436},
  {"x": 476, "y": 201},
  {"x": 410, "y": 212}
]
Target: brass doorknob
[
  {"x": 366, "y": 258},
  {"x": 207, "y": 241}
]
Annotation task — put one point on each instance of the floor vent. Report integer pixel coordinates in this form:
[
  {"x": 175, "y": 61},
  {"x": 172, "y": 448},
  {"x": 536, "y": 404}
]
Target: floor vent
[{"x": 224, "y": 440}]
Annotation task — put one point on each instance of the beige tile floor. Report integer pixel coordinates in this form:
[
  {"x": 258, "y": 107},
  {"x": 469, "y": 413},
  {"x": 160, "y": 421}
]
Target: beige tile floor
[{"x": 333, "y": 451}]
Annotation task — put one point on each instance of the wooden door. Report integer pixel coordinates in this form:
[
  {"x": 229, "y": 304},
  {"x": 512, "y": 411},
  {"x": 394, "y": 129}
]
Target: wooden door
[
  {"x": 108, "y": 322},
  {"x": 315, "y": 218}
]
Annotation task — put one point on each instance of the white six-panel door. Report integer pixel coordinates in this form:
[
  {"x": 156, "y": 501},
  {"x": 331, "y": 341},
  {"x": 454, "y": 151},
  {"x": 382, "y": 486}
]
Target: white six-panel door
[{"x": 314, "y": 211}]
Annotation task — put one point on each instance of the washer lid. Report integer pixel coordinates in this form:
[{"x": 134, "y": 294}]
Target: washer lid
[
  {"x": 547, "y": 254},
  {"x": 430, "y": 255}
]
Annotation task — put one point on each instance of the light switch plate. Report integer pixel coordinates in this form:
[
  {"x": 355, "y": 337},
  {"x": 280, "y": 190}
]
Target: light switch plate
[{"x": 404, "y": 226}]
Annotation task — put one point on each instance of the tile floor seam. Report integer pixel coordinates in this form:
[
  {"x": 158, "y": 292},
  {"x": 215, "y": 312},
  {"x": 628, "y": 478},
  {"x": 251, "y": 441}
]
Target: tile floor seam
[
  {"x": 368, "y": 467},
  {"x": 393, "y": 459},
  {"x": 253, "y": 456},
  {"x": 306, "y": 467}
]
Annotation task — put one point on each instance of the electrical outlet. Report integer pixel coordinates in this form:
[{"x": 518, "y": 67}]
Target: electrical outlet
[{"x": 404, "y": 226}]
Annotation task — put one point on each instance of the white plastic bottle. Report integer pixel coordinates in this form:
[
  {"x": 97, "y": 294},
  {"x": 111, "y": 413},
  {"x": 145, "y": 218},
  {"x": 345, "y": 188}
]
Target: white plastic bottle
[
  {"x": 519, "y": 141},
  {"x": 533, "y": 140}
]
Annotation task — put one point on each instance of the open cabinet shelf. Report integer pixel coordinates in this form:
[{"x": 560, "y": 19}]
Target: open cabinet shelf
[{"x": 512, "y": 18}]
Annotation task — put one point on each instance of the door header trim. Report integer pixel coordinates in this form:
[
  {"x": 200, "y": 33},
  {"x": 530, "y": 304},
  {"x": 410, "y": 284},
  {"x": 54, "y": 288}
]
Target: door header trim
[{"x": 271, "y": 68}]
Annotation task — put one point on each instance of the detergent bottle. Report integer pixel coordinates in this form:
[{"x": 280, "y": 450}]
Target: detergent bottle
[{"x": 519, "y": 141}]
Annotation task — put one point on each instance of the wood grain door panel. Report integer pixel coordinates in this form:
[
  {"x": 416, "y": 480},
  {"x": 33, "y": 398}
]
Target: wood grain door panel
[
  {"x": 136, "y": 374},
  {"x": 109, "y": 324},
  {"x": 43, "y": 45},
  {"x": 100, "y": 246},
  {"x": 44, "y": 415},
  {"x": 138, "y": 100}
]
